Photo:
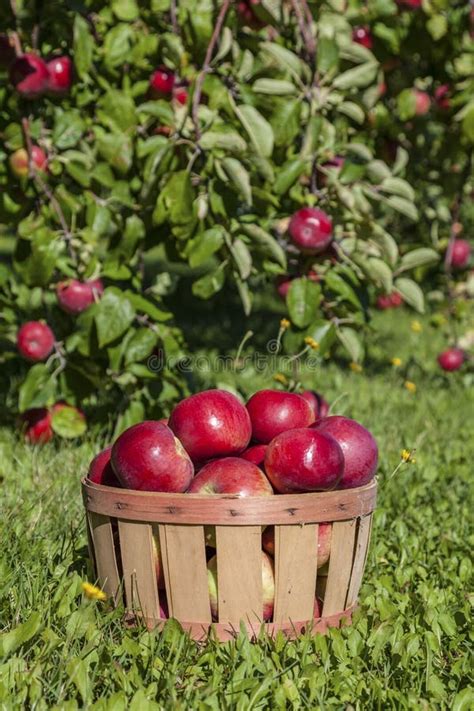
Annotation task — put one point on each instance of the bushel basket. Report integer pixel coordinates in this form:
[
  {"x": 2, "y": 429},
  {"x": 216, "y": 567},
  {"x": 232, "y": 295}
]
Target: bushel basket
[{"x": 124, "y": 526}]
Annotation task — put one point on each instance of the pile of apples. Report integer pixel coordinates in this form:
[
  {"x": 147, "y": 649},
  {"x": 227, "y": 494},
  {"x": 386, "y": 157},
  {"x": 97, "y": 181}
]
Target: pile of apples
[{"x": 279, "y": 443}]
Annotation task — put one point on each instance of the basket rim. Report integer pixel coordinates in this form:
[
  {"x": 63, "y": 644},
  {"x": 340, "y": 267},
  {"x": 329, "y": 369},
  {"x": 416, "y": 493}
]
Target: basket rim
[{"x": 229, "y": 509}]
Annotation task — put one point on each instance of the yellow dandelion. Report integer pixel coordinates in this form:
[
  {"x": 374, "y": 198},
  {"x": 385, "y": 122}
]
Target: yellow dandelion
[
  {"x": 280, "y": 378},
  {"x": 407, "y": 456},
  {"x": 311, "y": 343},
  {"x": 416, "y": 327},
  {"x": 411, "y": 387},
  {"x": 396, "y": 362},
  {"x": 284, "y": 324},
  {"x": 93, "y": 592},
  {"x": 355, "y": 367}
]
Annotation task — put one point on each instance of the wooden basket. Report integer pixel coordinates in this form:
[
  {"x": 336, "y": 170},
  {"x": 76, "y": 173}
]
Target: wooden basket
[{"x": 122, "y": 523}]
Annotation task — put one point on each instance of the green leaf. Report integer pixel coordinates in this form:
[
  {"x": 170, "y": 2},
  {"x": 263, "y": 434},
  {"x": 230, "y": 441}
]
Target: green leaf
[
  {"x": 356, "y": 77},
  {"x": 339, "y": 286},
  {"x": 239, "y": 178},
  {"x": 324, "y": 333},
  {"x": 265, "y": 241},
  {"x": 418, "y": 258},
  {"x": 398, "y": 186},
  {"x": 437, "y": 26},
  {"x": 126, "y": 9},
  {"x": 204, "y": 245},
  {"x": 37, "y": 389},
  {"x": 115, "y": 148},
  {"x": 227, "y": 141},
  {"x": 288, "y": 175},
  {"x": 68, "y": 422},
  {"x": 242, "y": 257},
  {"x": 259, "y": 130},
  {"x": 141, "y": 345},
  {"x": 328, "y": 54},
  {"x": 68, "y": 129},
  {"x": 78, "y": 673},
  {"x": 273, "y": 87},
  {"x": 83, "y": 46},
  {"x": 411, "y": 293},
  {"x": 379, "y": 272},
  {"x": 352, "y": 110},
  {"x": 284, "y": 58},
  {"x": 11, "y": 641},
  {"x": 114, "y": 314},
  {"x": 351, "y": 342},
  {"x": 405, "y": 207},
  {"x": 285, "y": 121},
  {"x": 175, "y": 202},
  {"x": 245, "y": 294},
  {"x": 210, "y": 284},
  {"x": 303, "y": 299}
]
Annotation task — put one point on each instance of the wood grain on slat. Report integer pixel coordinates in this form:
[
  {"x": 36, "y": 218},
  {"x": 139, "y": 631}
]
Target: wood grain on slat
[
  {"x": 340, "y": 565},
  {"x": 295, "y": 572},
  {"x": 362, "y": 545},
  {"x": 229, "y": 510},
  {"x": 104, "y": 550},
  {"x": 184, "y": 564},
  {"x": 139, "y": 572},
  {"x": 239, "y": 574}
]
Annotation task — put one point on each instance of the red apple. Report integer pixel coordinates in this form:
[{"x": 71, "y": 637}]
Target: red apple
[
  {"x": 37, "y": 425},
  {"x": 255, "y": 454},
  {"x": 35, "y": 341},
  {"x": 161, "y": 83},
  {"x": 148, "y": 457},
  {"x": 363, "y": 36},
  {"x": 29, "y": 75},
  {"x": 422, "y": 102},
  {"x": 451, "y": 359},
  {"x": 311, "y": 230},
  {"x": 413, "y": 4},
  {"x": 211, "y": 424},
  {"x": 180, "y": 94},
  {"x": 441, "y": 95},
  {"x": 231, "y": 475},
  {"x": 324, "y": 542},
  {"x": 19, "y": 161},
  {"x": 283, "y": 283},
  {"x": 268, "y": 586},
  {"x": 273, "y": 411},
  {"x": 75, "y": 296},
  {"x": 298, "y": 461},
  {"x": 334, "y": 165},
  {"x": 60, "y": 74},
  {"x": 460, "y": 254},
  {"x": 101, "y": 471},
  {"x": 317, "y": 403},
  {"x": 358, "y": 446},
  {"x": 389, "y": 301}
]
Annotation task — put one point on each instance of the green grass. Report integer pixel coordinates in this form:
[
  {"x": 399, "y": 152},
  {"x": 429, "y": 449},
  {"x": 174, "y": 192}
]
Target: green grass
[{"x": 408, "y": 647}]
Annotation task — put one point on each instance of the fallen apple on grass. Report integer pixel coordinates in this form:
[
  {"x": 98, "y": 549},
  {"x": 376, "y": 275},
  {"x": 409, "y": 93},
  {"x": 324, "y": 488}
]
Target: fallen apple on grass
[{"x": 451, "y": 359}]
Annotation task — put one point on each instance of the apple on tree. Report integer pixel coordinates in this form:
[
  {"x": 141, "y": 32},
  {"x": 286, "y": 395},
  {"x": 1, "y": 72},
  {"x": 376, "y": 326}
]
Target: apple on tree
[
  {"x": 162, "y": 83},
  {"x": 460, "y": 254},
  {"x": 19, "y": 162},
  {"x": 29, "y": 75},
  {"x": 310, "y": 230},
  {"x": 60, "y": 75},
  {"x": 35, "y": 341},
  {"x": 75, "y": 296},
  {"x": 36, "y": 424}
]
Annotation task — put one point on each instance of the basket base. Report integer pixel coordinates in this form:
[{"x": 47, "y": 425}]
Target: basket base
[{"x": 226, "y": 631}]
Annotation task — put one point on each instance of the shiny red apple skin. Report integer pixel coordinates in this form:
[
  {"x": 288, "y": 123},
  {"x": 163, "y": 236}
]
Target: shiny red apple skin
[
  {"x": 460, "y": 254},
  {"x": 317, "y": 403},
  {"x": 75, "y": 296},
  {"x": 302, "y": 460},
  {"x": 451, "y": 359},
  {"x": 29, "y": 75},
  {"x": 60, "y": 75},
  {"x": 148, "y": 457},
  {"x": 324, "y": 542},
  {"x": 211, "y": 424},
  {"x": 181, "y": 94},
  {"x": 358, "y": 446},
  {"x": 231, "y": 475},
  {"x": 274, "y": 411},
  {"x": 363, "y": 36},
  {"x": 161, "y": 83},
  {"x": 35, "y": 341},
  {"x": 36, "y": 424},
  {"x": 310, "y": 230},
  {"x": 255, "y": 454},
  {"x": 19, "y": 162},
  {"x": 101, "y": 471}
]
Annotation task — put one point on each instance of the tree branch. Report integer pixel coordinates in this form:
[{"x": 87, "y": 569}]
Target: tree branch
[
  {"x": 301, "y": 9},
  {"x": 43, "y": 187},
  {"x": 206, "y": 67}
]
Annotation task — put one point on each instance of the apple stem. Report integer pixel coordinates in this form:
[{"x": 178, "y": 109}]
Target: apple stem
[{"x": 206, "y": 67}]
